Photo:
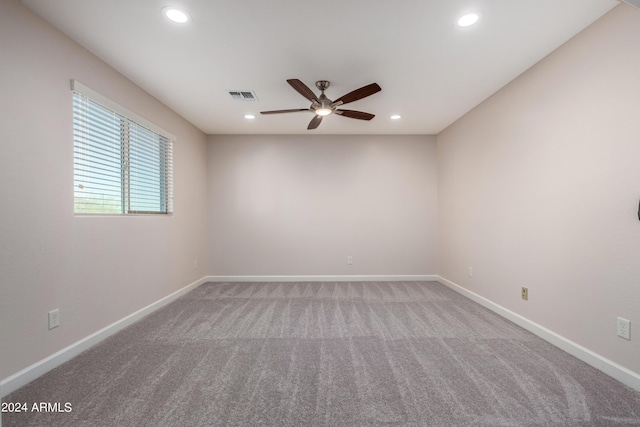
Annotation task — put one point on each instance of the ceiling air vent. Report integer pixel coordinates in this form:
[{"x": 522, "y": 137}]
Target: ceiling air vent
[{"x": 243, "y": 95}]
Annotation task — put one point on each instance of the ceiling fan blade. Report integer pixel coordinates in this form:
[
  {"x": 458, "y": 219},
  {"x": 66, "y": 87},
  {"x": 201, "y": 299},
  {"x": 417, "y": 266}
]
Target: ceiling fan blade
[
  {"x": 315, "y": 122},
  {"x": 303, "y": 89},
  {"x": 295, "y": 110},
  {"x": 352, "y": 114},
  {"x": 363, "y": 92}
]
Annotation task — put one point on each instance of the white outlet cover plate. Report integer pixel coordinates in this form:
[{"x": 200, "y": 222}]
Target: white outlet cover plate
[
  {"x": 54, "y": 318},
  {"x": 624, "y": 328}
]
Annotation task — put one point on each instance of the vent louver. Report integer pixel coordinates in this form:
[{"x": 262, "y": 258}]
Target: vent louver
[{"x": 243, "y": 95}]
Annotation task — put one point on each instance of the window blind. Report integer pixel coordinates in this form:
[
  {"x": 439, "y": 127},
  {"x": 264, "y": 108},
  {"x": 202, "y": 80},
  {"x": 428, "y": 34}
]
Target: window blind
[{"x": 120, "y": 166}]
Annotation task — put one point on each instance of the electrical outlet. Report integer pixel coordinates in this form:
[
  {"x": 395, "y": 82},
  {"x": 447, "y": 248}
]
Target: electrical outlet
[
  {"x": 54, "y": 318},
  {"x": 525, "y": 293},
  {"x": 195, "y": 264},
  {"x": 470, "y": 271},
  {"x": 350, "y": 260},
  {"x": 624, "y": 328}
]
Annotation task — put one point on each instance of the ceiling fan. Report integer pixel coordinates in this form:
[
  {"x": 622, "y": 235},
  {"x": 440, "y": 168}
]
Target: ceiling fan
[{"x": 323, "y": 106}]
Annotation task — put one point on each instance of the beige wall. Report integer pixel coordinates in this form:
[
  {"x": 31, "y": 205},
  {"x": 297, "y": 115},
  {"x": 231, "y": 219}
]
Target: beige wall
[
  {"x": 95, "y": 270},
  {"x": 301, "y": 204},
  {"x": 539, "y": 187}
]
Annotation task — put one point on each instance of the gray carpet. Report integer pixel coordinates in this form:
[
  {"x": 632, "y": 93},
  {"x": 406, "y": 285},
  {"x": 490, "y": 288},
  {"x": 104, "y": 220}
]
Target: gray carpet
[{"x": 326, "y": 354}]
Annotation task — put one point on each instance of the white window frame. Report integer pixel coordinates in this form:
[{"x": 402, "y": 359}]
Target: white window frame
[{"x": 128, "y": 119}]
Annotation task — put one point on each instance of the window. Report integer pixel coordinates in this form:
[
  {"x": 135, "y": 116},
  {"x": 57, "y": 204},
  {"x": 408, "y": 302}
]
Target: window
[{"x": 122, "y": 164}]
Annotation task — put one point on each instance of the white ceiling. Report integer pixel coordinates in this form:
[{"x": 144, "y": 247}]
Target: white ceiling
[{"x": 431, "y": 71}]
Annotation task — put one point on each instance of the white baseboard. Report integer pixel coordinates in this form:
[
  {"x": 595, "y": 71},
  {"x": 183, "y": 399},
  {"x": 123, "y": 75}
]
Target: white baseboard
[
  {"x": 30, "y": 373},
  {"x": 348, "y": 278},
  {"x": 620, "y": 373}
]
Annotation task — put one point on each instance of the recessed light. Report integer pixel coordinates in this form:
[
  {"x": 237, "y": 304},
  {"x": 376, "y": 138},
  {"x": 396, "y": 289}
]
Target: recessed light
[
  {"x": 395, "y": 117},
  {"x": 175, "y": 14},
  {"x": 249, "y": 116},
  {"x": 468, "y": 19}
]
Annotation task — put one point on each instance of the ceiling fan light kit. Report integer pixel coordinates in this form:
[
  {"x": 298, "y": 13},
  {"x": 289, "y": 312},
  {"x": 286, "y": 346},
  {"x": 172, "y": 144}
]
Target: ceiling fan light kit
[{"x": 322, "y": 106}]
